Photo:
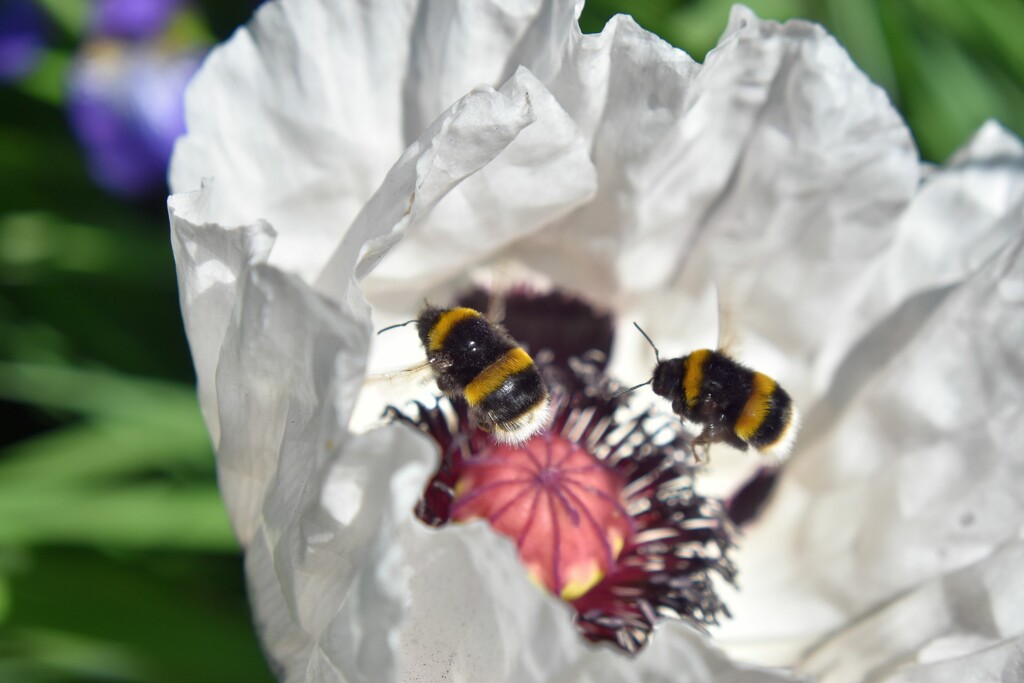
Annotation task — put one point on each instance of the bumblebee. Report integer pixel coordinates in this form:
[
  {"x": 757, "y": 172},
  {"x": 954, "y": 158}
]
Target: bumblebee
[
  {"x": 732, "y": 403},
  {"x": 479, "y": 362}
]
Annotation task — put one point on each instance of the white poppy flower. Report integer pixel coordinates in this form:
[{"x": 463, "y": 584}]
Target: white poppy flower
[{"x": 364, "y": 156}]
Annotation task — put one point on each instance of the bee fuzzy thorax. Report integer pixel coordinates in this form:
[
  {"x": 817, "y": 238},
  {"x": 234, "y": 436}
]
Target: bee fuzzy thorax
[{"x": 477, "y": 361}]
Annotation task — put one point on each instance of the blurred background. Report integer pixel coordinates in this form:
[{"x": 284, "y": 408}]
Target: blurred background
[{"x": 116, "y": 559}]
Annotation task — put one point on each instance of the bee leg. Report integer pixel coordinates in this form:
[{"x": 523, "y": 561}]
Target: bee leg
[
  {"x": 481, "y": 421},
  {"x": 677, "y": 406},
  {"x": 460, "y": 442},
  {"x": 448, "y": 385},
  {"x": 702, "y": 445},
  {"x": 702, "y": 452},
  {"x": 736, "y": 442}
]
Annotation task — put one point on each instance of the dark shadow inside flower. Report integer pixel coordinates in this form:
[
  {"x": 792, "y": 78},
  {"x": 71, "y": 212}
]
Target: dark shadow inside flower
[
  {"x": 601, "y": 504},
  {"x": 530, "y": 317}
]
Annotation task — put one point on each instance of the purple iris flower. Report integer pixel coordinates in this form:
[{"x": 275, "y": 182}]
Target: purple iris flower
[
  {"x": 133, "y": 19},
  {"x": 125, "y": 102},
  {"x": 22, "y": 35}
]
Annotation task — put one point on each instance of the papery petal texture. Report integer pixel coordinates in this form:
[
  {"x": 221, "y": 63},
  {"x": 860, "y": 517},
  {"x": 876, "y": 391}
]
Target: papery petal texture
[
  {"x": 366, "y": 153},
  {"x": 938, "y": 625},
  {"x": 777, "y": 134},
  {"x": 328, "y": 95},
  {"x": 910, "y": 465}
]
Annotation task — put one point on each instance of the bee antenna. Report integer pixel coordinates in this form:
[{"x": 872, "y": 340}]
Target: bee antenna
[
  {"x": 391, "y": 327},
  {"x": 626, "y": 391},
  {"x": 657, "y": 357}
]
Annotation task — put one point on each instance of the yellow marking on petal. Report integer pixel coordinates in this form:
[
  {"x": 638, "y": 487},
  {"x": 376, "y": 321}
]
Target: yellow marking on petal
[
  {"x": 755, "y": 410},
  {"x": 449, "y": 319},
  {"x": 494, "y": 375},
  {"x": 534, "y": 574},
  {"x": 693, "y": 375},
  {"x": 586, "y": 577},
  {"x": 617, "y": 542},
  {"x": 463, "y": 485}
]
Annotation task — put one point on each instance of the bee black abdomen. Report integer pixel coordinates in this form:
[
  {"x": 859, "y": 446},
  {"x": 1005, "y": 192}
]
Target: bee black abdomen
[
  {"x": 725, "y": 385},
  {"x": 776, "y": 421},
  {"x": 768, "y": 419},
  {"x": 519, "y": 393}
]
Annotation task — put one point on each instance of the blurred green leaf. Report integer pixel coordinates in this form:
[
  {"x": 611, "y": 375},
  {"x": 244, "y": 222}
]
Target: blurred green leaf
[
  {"x": 953, "y": 96},
  {"x": 84, "y": 454},
  {"x": 189, "y": 29},
  {"x": 42, "y": 655},
  {"x": 697, "y": 26},
  {"x": 5, "y": 600},
  {"x": 650, "y": 14},
  {"x": 34, "y": 245},
  {"x": 153, "y": 515},
  {"x": 89, "y": 481},
  {"x": 1003, "y": 21},
  {"x": 72, "y": 16},
  {"x": 46, "y": 82},
  {"x": 171, "y": 617},
  {"x": 39, "y": 163},
  {"x": 858, "y": 26},
  {"x": 972, "y": 26},
  {"x": 99, "y": 393},
  {"x": 30, "y": 341},
  {"x": 76, "y": 290}
]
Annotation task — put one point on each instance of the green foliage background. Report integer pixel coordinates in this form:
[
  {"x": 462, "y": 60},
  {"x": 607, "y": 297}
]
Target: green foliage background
[{"x": 117, "y": 562}]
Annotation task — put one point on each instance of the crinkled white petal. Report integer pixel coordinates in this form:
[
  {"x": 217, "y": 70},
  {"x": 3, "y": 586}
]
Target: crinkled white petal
[
  {"x": 885, "y": 297},
  {"x": 911, "y": 465},
  {"x": 306, "y": 108},
  {"x": 781, "y": 178},
  {"x": 474, "y": 616},
  {"x": 325, "y": 516},
  {"x": 540, "y": 177},
  {"x": 209, "y": 260},
  {"x": 964, "y": 626},
  {"x": 462, "y": 142},
  {"x": 346, "y": 585}
]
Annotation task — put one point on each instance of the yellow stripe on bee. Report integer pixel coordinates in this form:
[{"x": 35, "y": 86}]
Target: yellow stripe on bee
[
  {"x": 494, "y": 375},
  {"x": 693, "y": 375},
  {"x": 449, "y": 319},
  {"x": 755, "y": 410}
]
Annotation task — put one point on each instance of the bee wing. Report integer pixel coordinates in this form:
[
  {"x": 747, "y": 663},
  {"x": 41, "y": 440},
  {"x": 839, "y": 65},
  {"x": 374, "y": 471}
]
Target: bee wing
[
  {"x": 728, "y": 338},
  {"x": 419, "y": 372}
]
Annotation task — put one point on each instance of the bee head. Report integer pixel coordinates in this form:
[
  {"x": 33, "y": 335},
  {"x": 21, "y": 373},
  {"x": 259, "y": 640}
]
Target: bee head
[
  {"x": 668, "y": 377},
  {"x": 426, "y": 320}
]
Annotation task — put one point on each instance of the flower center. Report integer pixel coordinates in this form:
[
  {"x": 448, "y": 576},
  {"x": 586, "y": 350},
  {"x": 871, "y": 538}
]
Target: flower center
[
  {"x": 561, "y": 505},
  {"x": 601, "y": 505}
]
